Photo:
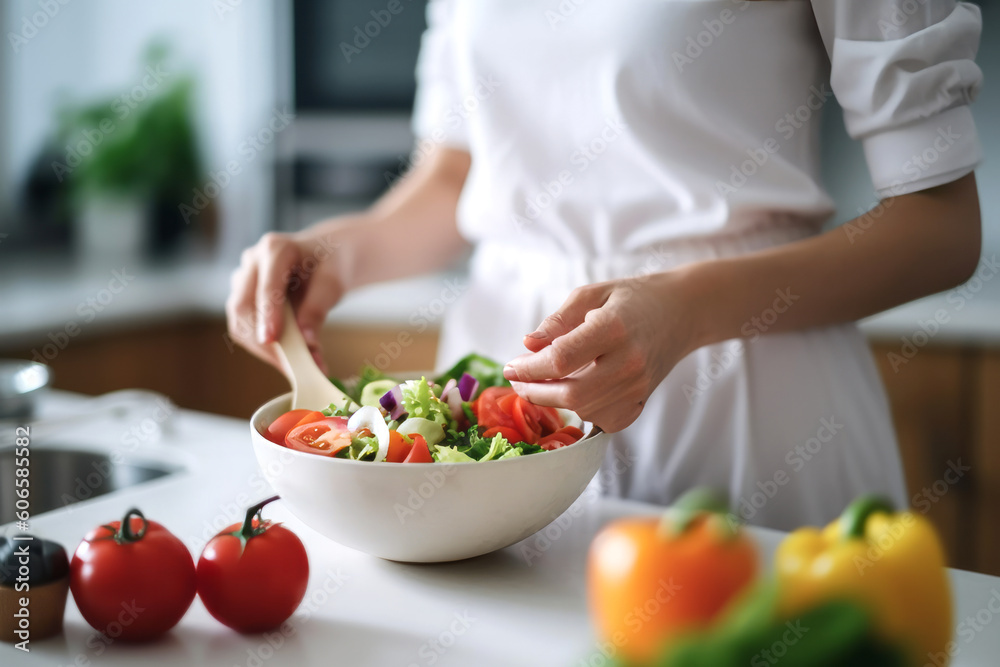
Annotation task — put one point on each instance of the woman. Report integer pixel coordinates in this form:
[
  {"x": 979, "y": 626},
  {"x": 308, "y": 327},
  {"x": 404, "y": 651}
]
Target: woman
[{"x": 639, "y": 182}]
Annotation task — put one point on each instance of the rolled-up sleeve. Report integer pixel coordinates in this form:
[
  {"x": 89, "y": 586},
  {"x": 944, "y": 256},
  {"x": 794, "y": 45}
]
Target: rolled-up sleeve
[
  {"x": 438, "y": 90},
  {"x": 904, "y": 73}
]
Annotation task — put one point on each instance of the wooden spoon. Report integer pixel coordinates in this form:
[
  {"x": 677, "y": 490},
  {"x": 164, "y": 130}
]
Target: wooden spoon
[{"x": 311, "y": 389}]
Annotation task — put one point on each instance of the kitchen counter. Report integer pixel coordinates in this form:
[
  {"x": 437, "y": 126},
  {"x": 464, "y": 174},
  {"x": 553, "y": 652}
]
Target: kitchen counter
[
  {"x": 42, "y": 300},
  {"x": 524, "y": 605}
]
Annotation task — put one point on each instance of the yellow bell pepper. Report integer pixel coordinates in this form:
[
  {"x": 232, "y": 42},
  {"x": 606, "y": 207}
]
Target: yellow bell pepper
[{"x": 892, "y": 563}]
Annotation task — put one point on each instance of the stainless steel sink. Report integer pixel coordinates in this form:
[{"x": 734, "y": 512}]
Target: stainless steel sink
[{"x": 59, "y": 477}]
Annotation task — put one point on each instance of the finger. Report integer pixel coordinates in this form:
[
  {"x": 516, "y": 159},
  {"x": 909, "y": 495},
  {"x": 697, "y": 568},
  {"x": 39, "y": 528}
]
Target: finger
[
  {"x": 588, "y": 388},
  {"x": 276, "y": 258},
  {"x": 569, "y": 316},
  {"x": 240, "y": 314},
  {"x": 597, "y": 335},
  {"x": 598, "y": 394}
]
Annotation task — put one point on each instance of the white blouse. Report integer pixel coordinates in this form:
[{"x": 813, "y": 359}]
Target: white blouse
[{"x": 601, "y": 128}]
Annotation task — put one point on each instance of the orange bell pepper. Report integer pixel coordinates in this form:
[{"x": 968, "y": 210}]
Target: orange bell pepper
[{"x": 651, "y": 579}]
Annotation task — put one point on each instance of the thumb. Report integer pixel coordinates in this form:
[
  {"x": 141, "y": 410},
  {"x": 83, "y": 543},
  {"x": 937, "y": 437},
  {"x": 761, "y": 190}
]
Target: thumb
[{"x": 569, "y": 316}]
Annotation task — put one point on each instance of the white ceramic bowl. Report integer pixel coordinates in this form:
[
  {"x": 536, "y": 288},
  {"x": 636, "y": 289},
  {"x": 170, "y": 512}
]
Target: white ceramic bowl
[{"x": 425, "y": 512}]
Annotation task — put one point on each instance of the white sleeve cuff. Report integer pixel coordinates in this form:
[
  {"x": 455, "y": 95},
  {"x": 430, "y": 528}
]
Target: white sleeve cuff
[{"x": 930, "y": 152}]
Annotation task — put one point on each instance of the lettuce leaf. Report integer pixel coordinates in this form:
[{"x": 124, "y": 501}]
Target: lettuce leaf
[
  {"x": 419, "y": 401},
  {"x": 362, "y": 449},
  {"x": 451, "y": 455}
]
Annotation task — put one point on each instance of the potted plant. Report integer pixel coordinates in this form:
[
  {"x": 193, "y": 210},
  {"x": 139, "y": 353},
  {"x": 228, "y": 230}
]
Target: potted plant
[{"x": 127, "y": 155}]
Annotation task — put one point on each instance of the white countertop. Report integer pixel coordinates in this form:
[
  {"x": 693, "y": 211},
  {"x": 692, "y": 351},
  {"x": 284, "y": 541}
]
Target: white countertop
[
  {"x": 503, "y": 609},
  {"x": 36, "y": 301}
]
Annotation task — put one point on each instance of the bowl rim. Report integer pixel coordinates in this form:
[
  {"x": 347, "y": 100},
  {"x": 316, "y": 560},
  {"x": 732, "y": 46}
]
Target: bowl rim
[{"x": 589, "y": 438}]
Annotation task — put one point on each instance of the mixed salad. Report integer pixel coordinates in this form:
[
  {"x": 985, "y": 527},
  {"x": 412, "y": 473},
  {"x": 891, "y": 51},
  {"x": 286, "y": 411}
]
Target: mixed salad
[{"x": 469, "y": 413}]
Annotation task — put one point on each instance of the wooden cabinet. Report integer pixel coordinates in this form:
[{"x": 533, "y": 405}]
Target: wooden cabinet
[
  {"x": 194, "y": 362},
  {"x": 945, "y": 403}
]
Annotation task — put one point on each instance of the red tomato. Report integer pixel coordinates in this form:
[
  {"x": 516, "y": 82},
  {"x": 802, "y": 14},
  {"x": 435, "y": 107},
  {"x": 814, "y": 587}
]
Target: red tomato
[
  {"x": 511, "y": 435},
  {"x": 399, "y": 448},
  {"x": 419, "y": 453},
  {"x": 549, "y": 419},
  {"x": 325, "y": 437},
  {"x": 567, "y": 435},
  {"x": 132, "y": 579},
  {"x": 310, "y": 417},
  {"x": 490, "y": 413},
  {"x": 253, "y": 576},
  {"x": 555, "y": 441},
  {"x": 526, "y": 416},
  {"x": 282, "y": 425},
  {"x": 506, "y": 403}
]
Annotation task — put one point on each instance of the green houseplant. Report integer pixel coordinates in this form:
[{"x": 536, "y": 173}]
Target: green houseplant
[{"x": 126, "y": 157}]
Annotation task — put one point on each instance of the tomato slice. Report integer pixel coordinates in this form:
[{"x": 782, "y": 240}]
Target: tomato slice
[
  {"x": 419, "y": 453},
  {"x": 282, "y": 425},
  {"x": 511, "y": 435},
  {"x": 325, "y": 437},
  {"x": 567, "y": 435},
  {"x": 399, "y": 448},
  {"x": 549, "y": 419},
  {"x": 526, "y": 416},
  {"x": 506, "y": 403},
  {"x": 572, "y": 431},
  {"x": 310, "y": 417},
  {"x": 489, "y": 412}
]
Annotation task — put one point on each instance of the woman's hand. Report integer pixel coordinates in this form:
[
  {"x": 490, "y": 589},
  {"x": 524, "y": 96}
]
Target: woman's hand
[
  {"x": 306, "y": 268},
  {"x": 606, "y": 349},
  {"x": 411, "y": 229}
]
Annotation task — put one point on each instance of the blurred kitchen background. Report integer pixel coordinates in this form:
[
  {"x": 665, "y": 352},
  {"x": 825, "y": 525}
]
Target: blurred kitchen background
[{"x": 144, "y": 145}]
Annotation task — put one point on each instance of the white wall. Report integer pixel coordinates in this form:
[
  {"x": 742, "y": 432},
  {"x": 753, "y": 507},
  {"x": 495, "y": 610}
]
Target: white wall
[{"x": 93, "y": 48}]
